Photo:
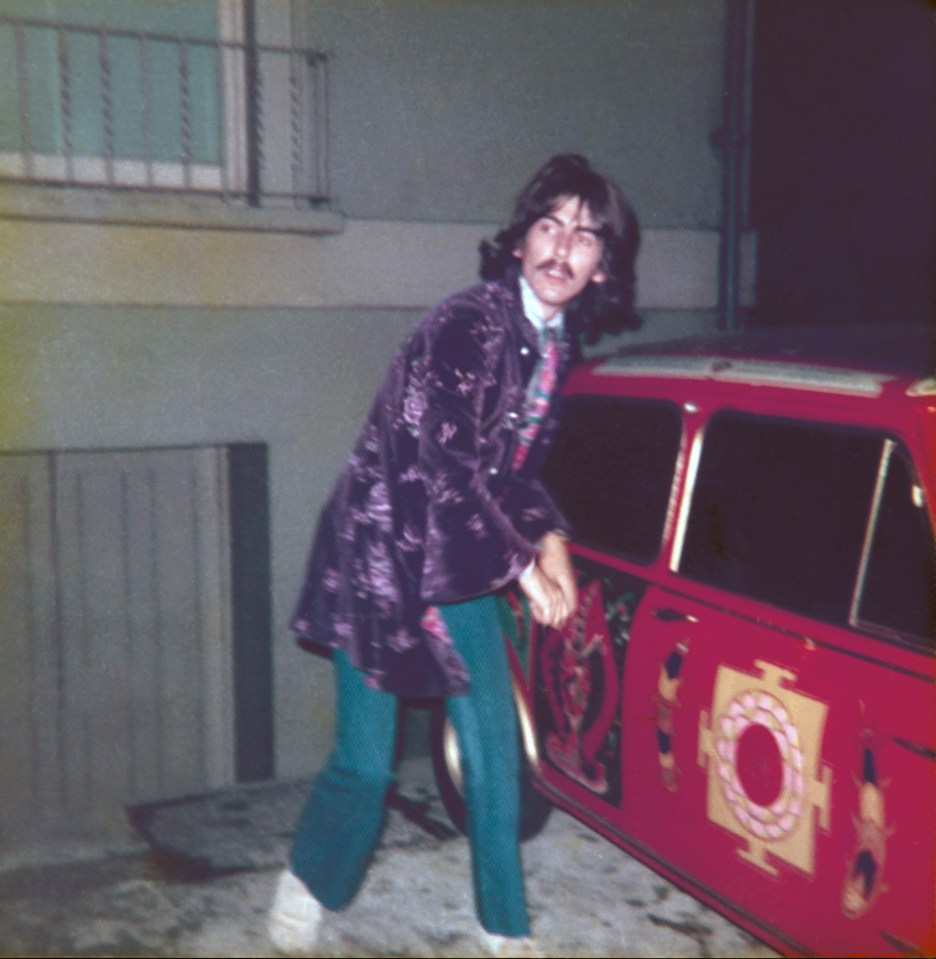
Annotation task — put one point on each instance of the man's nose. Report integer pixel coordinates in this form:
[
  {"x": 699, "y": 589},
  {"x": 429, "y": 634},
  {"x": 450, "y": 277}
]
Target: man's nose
[{"x": 562, "y": 245}]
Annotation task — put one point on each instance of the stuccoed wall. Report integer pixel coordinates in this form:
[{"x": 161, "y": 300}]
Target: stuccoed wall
[
  {"x": 79, "y": 377},
  {"x": 444, "y": 107},
  {"x": 114, "y": 335},
  {"x": 128, "y": 336}
]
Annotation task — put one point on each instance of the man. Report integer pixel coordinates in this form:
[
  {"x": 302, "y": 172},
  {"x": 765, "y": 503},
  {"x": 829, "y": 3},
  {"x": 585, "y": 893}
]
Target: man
[{"x": 439, "y": 507}]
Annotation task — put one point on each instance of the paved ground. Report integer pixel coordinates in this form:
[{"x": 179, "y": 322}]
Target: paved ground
[{"x": 202, "y": 885}]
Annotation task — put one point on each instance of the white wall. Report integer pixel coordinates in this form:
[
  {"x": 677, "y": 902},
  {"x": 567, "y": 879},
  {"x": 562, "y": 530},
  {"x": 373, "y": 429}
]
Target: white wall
[
  {"x": 443, "y": 108},
  {"x": 105, "y": 377},
  {"x": 118, "y": 335}
]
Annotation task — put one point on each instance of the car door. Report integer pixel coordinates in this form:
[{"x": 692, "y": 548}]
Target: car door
[
  {"x": 779, "y": 709},
  {"x": 612, "y": 471}
]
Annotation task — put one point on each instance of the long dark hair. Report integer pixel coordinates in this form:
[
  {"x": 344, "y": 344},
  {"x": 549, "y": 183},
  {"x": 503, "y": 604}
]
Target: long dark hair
[{"x": 606, "y": 307}]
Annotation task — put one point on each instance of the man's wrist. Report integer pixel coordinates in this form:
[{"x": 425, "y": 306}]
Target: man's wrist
[{"x": 553, "y": 534}]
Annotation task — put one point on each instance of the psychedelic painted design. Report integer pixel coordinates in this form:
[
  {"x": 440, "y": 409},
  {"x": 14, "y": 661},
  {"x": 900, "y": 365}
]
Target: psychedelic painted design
[
  {"x": 578, "y": 678},
  {"x": 667, "y": 702},
  {"x": 864, "y": 880},
  {"x": 762, "y": 746}
]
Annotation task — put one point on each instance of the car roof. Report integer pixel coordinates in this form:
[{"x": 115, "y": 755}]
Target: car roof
[{"x": 852, "y": 359}]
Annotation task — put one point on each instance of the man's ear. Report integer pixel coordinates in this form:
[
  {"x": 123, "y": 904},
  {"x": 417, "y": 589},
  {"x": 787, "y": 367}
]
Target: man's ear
[
  {"x": 599, "y": 276},
  {"x": 518, "y": 251}
]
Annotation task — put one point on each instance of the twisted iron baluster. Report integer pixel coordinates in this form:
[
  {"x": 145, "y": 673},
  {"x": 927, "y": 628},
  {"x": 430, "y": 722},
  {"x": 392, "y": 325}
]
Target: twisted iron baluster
[
  {"x": 259, "y": 138},
  {"x": 295, "y": 123},
  {"x": 185, "y": 99},
  {"x": 107, "y": 105},
  {"x": 65, "y": 100},
  {"x": 146, "y": 83},
  {"x": 322, "y": 124}
]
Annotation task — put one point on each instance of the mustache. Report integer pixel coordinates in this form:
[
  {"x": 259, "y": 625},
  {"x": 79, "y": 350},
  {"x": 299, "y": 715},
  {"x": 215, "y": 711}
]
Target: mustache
[{"x": 555, "y": 264}]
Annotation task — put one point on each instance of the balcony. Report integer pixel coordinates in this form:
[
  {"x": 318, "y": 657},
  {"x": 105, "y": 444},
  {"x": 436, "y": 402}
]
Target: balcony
[{"x": 123, "y": 125}]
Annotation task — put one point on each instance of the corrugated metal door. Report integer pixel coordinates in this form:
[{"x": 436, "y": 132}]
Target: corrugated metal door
[{"x": 115, "y": 652}]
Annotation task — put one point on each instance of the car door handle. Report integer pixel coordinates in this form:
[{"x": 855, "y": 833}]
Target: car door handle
[{"x": 670, "y": 615}]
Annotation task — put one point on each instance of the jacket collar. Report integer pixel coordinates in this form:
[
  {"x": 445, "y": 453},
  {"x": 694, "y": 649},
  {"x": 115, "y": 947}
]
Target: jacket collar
[{"x": 527, "y": 327}]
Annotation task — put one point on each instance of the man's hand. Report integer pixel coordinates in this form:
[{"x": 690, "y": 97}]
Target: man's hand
[
  {"x": 555, "y": 562},
  {"x": 549, "y": 584},
  {"x": 547, "y": 602}
]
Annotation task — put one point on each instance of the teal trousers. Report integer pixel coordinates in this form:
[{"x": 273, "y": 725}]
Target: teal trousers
[{"x": 342, "y": 820}]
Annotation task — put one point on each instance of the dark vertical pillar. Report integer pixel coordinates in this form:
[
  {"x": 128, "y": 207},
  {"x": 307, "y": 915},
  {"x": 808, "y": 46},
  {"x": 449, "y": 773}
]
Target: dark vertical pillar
[
  {"x": 252, "y": 85},
  {"x": 732, "y": 144},
  {"x": 251, "y": 611}
]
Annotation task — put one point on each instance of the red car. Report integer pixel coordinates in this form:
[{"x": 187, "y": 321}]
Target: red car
[{"x": 745, "y": 697}]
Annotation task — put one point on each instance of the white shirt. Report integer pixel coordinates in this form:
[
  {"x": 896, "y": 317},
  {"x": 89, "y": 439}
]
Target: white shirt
[{"x": 534, "y": 310}]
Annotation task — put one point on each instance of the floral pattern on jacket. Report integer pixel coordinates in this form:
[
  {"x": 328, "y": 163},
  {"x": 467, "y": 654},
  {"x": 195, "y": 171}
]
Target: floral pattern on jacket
[{"x": 427, "y": 510}]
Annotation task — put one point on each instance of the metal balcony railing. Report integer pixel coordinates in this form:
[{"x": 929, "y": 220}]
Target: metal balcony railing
[{"x": 115, "y": 109}]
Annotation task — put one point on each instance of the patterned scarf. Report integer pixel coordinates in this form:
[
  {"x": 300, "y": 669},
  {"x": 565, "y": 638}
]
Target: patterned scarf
[{"x": 541, "y": 389}]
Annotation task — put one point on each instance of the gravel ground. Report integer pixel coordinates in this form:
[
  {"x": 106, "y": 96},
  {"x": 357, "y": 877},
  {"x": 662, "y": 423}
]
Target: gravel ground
[{"x": 201, "y": 885}]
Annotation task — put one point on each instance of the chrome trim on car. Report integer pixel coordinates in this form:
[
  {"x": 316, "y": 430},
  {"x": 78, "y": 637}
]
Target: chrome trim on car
[
  {"x": 870, "y": 526},
  {"x": 925, "y": 387},
  {"x": 823, "y": 379},
  {"x": 682, "y": 520}
]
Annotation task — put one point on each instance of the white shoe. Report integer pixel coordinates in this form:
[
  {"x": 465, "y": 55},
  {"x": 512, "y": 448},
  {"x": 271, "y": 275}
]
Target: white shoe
[
  {"x": 295, "y": 916},
  {"x": 508, "y": 947}
]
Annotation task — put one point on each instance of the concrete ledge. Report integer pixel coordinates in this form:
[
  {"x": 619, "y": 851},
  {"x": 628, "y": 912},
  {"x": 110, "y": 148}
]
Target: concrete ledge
[
  {"x": 166, "y": 209},
  {"x": 370, "y": 264}
]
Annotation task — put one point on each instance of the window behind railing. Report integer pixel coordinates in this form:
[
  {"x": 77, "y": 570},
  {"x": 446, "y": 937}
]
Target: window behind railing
[{"x": 204, "y": 109}]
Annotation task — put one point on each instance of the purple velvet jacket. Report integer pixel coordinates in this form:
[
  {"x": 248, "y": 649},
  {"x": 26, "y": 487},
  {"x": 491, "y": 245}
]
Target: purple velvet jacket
[{"x": 427, "y": 510}]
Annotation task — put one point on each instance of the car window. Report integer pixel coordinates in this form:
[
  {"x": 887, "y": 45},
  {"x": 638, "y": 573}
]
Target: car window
[
  {"x": 611, "y": 471},
  {"x": 900, "y": 585},
  {"x": 779, "y": 512}
]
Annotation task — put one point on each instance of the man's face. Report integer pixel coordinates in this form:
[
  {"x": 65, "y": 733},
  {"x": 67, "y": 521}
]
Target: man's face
[{"x": 561, "y": 254}]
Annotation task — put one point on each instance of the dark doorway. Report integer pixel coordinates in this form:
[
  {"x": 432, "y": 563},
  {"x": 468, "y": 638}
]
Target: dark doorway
[{"x": 843, "y": 161}]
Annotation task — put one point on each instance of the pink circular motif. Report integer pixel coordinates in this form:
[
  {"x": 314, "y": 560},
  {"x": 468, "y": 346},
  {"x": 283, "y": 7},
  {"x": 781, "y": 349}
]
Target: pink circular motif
[{"x": 752, "y": 712}]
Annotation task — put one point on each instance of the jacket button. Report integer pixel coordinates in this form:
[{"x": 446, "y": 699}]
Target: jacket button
[
  {"x": 524, "y": 351},
  {"x": 493, "y": 471},
  {"x": 513, "y": 414}
]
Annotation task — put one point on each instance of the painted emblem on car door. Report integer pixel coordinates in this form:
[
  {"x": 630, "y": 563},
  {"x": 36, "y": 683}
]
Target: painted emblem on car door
[
  {"x": 762, "y": 745},
  {"x": 584, "y": 674},
  {"x": 578, "y": 675}
]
